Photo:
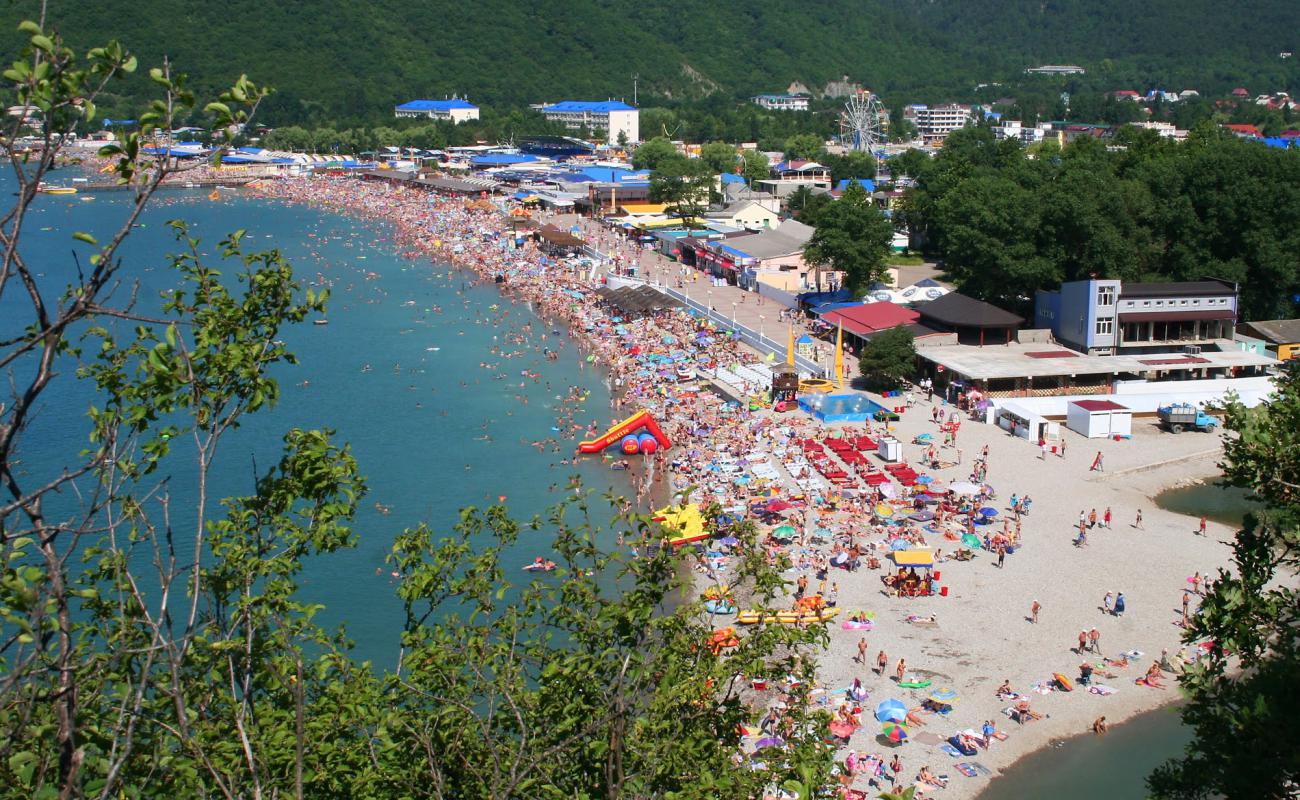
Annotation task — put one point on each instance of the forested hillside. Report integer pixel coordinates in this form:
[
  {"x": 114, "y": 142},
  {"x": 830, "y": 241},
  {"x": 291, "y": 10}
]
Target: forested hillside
[{"x": 339, "y": 60}]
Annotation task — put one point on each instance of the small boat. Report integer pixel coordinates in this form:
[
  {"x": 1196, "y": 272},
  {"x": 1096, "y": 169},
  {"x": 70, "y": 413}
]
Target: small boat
[
  {"x": 56, "y": 189},
  {"x": 320, "y": 322}
]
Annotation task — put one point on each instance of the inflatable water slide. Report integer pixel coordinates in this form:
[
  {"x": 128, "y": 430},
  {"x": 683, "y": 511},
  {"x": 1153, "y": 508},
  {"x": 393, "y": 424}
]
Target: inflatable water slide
[{"x": 638, "y": 433}]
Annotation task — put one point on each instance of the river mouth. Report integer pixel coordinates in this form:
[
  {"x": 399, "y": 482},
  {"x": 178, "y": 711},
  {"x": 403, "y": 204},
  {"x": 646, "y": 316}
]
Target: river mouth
[{"x": 1212, "y": 499}]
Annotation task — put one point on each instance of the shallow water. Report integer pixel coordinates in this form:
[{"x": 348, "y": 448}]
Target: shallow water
[
  {"x": 396, "y": 372},
  {"x": 1088, "y": 767},
  {"x": 1221, "y": 503}
]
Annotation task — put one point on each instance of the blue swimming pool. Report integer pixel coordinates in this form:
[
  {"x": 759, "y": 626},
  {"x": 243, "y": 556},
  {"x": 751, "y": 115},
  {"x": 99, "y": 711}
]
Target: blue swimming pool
[{"x": 840, "y": 407}]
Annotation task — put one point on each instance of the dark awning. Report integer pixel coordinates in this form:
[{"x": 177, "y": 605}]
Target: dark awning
[{"x": 1178, "y": 315}]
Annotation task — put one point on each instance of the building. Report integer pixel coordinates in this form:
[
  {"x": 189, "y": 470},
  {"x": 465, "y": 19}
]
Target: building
[
  {"x": 1056, "y": 69},
  {"x": 610, "y": 118},
  {"x": 974, "y": 321},
  {"x": 1282, "y": 336},
  {"x": 1108, "y": 317},
  {"x": 1014, "y": 129},
  {"x": 748, "y": 214},
  {"x": 453, "y": 110},
  {"x": 782, "y": 102},
  {"x": 934, "y": 123}
]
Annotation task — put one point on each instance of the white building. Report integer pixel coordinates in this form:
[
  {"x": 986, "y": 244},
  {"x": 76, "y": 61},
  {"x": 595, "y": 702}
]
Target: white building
[
  {"x": 1055, "y": 69},
  {"x": 1165, "y": 129},
  {"x": 609, "y": 118},
  {"x": 782, "y": 102},
  {"x": 936, "y": 122},
  {"x": 454, "y": 110},
  {"x": 1014, "y": 129}
]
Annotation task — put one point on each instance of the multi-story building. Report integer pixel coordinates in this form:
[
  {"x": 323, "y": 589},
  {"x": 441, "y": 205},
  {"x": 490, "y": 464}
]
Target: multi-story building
[
  {"x": 609, "y": 118},
  {"x": 1109, "y": 317},
  {"x": 782, "y": 102},
  {"x": 452, "y": 109},
  {"x": 1056, "y": 69},
  {"x": 1014, "y": 129},
  {"x": 934, "y": 123}
]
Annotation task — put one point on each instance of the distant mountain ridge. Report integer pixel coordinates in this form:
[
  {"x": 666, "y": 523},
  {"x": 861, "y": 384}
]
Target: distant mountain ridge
[{"x": 347, "y": 59}]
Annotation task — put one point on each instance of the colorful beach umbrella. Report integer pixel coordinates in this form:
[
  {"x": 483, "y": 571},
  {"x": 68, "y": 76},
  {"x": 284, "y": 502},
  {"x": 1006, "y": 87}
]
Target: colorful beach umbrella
[
  {"x": 971, "y": 540},
  {"x": 784, "y": 532},
  {"x": 946, "y": 696},
  {"x": 769, "y": 741},
  {"x": 894, "y": 732},
  {"x": 891, "y": 710},
  {"x": 884, "y": 510}
]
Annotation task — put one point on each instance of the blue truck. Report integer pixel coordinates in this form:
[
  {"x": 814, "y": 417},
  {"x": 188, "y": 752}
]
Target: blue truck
[{"x": 1179, "y": 417}]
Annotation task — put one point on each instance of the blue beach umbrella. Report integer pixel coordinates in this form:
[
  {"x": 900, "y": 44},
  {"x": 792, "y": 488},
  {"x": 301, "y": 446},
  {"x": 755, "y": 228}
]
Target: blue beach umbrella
[
  {"x": 924, "y": 479},
  {"x": 891, "y": 711},
  {"x": 988, "y": 512}
]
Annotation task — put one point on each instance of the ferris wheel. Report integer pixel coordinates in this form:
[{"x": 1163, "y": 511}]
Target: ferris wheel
[{"x": 863, "y": 122}]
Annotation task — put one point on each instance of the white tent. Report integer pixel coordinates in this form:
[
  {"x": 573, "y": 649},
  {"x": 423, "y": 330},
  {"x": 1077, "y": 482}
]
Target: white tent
[{"x": 1098, "y": 419}]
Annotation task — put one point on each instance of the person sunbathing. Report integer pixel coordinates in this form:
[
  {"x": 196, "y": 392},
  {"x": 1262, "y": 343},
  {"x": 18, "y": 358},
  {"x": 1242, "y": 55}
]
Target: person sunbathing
[
  {"x": 1023, "y": 710},
  {"x": 929, "y": 778},
  {"x": 1005, "y": 690}
]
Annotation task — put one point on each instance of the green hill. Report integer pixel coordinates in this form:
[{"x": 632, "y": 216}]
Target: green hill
[{"x": 350, "y": 61}]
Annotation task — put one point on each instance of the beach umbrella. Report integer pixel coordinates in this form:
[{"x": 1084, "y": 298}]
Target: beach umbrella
[
  {"x": 729, "y": 541},
  {"x": 769, "y": 741},
  {"x": 841, "y": 729},
  {"x": 894, "y": 732},
  {"x": 784, "y": 532},
  {"x": 971, "y": 540},
  {"x": 986, "y": 511},
  {"x": 891, "y": 710},
  {"x": 925, "y": 479},
  {"x": 964, "y": 487},
  {"x": 778, "y": 505},
  {"x": 922, "y": 516},
  {"x": 899, "y": 544},
  {"x": 936, "y": 488},
  {"x": 945, "y": 696},
  {"x": 884, "y": 510}
]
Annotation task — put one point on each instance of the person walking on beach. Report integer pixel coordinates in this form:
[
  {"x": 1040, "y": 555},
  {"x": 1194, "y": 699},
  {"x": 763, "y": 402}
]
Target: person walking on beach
[
  {"x": 1105, "y": 602},
  {"x": 895, "y": 769},
  {"x": 1137, "y": 523},
  {"x": 861, "y": 658},
  {"x": 1187, "y": 601},
  {"x": 900, "y": 670},
  {"x": 1033, "y": 612},
  {"x": 1119, "y": 604},
  {"x": 1094, "y": 640},
  {"x": 1202, "y": 529},
  {"x": 882, "y": 661},
  {"x": 1092, "y": 519},
  {"x": 1002, "y": 555},
  {"x": 1083, "y": 642},
  {"x": 1098, "y": 464},
  {"x": 1105, "y": 519},
  {"x": 1061, "y": 450}
]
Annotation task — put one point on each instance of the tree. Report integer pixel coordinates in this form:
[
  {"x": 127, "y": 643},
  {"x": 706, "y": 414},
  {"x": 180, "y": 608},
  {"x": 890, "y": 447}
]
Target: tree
[
  {"x": 720, "y": 157},
  {"x": 805, "y": 146},
  {"x": 1241, "y": 693},
  {"x": 910, "y": 164},
  {"x": 852, "y": 236},
  {"x": 653, "y": 152},
  {"x": 807, "y": 206},
  {"x": 853, "y": 164},
  {"x": 684, "y": 185},
  {"x": 888, "y": 358},
  {"x": 757, "y": 167}
]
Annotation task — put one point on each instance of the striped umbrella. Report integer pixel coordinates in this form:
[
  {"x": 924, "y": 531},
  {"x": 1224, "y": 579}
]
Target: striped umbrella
[{"x": 894, "y": 732}]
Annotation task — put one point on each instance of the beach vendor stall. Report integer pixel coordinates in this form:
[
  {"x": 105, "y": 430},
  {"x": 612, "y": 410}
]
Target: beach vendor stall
[
  {"x": 1026, "y": 424},
  {"x": 1099, "y": 419},
  {"x": 907, "y": 581}
]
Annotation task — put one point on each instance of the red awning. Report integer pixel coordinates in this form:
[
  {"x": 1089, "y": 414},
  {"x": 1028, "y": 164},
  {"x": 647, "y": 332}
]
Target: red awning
[{"x": 1178, "y": 315}]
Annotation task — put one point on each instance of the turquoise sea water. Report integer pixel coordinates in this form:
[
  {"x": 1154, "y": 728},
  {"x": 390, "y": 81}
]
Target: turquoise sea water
[{"x": 396, "y": 372}]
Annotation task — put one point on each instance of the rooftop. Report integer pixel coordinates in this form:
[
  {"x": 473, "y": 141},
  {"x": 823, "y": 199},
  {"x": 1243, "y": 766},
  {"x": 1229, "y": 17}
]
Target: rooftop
[
  {"x": 581, "y": 106},
  {"x": 870, "y": 317},
  {"x": 1176, "y": 289},
  {"x": 436, "y": 105},
  {"x": 1017, "y": 360},
  {"x": 958, "y": 310},
  {"x": 1275, "y": 331}
]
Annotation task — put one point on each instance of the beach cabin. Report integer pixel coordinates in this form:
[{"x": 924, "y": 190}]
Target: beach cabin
[
  {"x": 1025, "y": 423},
  {"x": 1099, "y": 419}
]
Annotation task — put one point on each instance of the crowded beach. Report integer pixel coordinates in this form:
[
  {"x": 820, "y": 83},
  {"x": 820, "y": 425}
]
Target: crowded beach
[{"x": 991, "y": 596}]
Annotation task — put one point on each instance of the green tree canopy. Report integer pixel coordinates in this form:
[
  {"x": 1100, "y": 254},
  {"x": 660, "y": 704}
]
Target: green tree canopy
[
  {"x": 853, "y": 236},
  {"x": 1241, "y": 703},
  {"x": 721, "y": 157},
  {"x": 653, "y": 152},
  {"x": 888, "y": 358},
  {"x": 806, "y": 146},
  {"x": 684, "y": 184},
  {"x": 757, "y": 167}
]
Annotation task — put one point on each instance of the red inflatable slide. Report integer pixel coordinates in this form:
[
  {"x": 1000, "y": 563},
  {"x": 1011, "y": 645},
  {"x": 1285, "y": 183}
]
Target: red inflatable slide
[{"x": 625, "y": 435}]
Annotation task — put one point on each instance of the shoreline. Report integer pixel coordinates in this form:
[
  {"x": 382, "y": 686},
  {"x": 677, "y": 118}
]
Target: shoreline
[{"x": 980, "y": 649}]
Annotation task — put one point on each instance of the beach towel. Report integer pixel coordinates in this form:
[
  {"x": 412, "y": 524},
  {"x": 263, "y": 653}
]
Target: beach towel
[
  {"x": 1102, "y": 689},
  {"x": 1000, "y": 736},
  {"x": 967, "y": 770},
  {"x": 950, "y": 750},
  {"x": 980, "y": 768}
]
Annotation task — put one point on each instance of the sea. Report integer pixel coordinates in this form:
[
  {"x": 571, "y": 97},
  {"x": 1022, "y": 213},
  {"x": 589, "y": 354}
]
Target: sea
[{"x": 415, "y": 371}]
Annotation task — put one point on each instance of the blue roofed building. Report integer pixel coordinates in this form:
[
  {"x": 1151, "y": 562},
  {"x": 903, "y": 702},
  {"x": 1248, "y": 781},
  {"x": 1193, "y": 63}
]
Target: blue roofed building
[
  {"x": 455, "y": 110},
  {"x": 609, "y": 118}
]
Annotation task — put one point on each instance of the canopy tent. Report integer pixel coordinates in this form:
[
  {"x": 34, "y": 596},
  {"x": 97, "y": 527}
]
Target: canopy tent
[{"x": 923, "y": 558}]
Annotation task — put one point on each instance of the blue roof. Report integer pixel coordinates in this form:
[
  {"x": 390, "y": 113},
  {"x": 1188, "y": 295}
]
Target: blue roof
[
  {"x": 614, "y": 175},
  {"x": 731, "y": 251},
  {"x": 436, "y": 105},
  {"x": 584, "y": 105},
  {"x": 826, "y": 308},
  {"x": 729, "y": 178},
  {"x": 865, "y": 183},
  {"x": 500, "y": 159}
]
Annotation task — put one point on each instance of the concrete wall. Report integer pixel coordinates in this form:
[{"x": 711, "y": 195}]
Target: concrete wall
[{"x": 1144, "y": 397}]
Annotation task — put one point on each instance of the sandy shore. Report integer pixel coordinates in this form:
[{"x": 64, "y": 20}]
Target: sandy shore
[{"x": 984, "y": 636}]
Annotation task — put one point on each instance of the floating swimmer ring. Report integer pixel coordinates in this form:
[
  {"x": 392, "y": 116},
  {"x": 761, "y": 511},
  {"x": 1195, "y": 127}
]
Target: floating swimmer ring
[{"x": 815, "y": 385}]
